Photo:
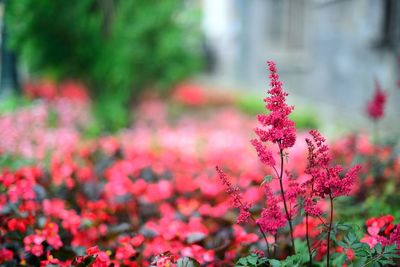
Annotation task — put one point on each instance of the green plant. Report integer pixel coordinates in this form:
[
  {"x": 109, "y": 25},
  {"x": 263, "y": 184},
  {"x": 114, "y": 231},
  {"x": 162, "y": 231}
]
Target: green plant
[
  {"x": 252, "y": 260},
  {"x": 11, "y": 103},
  {"x": 118, "y": 48}
]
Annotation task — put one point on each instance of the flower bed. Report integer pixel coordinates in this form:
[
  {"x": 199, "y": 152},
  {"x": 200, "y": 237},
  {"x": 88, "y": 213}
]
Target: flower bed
[{"x": 150, "y": 194}]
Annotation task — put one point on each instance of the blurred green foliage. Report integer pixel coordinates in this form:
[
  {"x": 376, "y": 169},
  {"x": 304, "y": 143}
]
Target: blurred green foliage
[
  {"x": 10, "y": 103},
  {"x": 118, "y": 48},
  {"x": 12, "y": 162}
]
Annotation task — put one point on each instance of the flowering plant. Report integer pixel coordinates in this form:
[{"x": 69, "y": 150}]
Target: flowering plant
[
  {"x": 312, "y": 197},
  {"x": 149, "y": 196}
]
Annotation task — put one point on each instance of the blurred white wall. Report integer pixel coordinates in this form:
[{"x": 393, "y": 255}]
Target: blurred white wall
[{"x": 328, "y": 51}]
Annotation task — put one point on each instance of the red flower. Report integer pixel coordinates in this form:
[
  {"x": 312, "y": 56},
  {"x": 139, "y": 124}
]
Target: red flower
[
  {"x": 17, "y": 225},
  {"x": 5, "y": 255},
  {"x": 314, "y": 230},
  {"x": 348, "y": 251},
  {"x": 73, "y": 91},
  {"x": 381, "y": 230},
  {"x": 93, "y": 250},
  {"x": 190, "y": 94},
  {"x": 376, "y": 106}
]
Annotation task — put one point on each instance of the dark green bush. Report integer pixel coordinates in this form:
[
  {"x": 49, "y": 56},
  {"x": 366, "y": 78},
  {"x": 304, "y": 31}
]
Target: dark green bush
[{"x": 118, "y": 48}]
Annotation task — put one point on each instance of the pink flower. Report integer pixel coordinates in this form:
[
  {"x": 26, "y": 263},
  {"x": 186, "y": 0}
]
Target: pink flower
[
  {"x": 394, "y": 237},
  {"x": 264, "y": 154},
  {"x": 381, "y": 230},
  {"x": 311, "y": 208},
  {"x": 33, "y": 244},
  {"x": 370, "y": 240},
  {"x": 376, "y": 106},
  {"x": 271, "y": 217},
  {"x": 325, "y": 180},
  {"x": 244, "y": 208},
  {"x": 318, "y": 152},
  {"x": 50, "y": 232},
  {"x": 242, "y": 237},
  {"x": 279, "y": 128},
  {"x": 165, "y": 259}
]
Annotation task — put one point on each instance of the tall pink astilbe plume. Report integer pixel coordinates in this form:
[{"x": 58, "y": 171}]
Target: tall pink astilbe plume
[
  {"x": 376, "y": 106},
  {"x": 316, "y": 153},
  {"x": 271, "y": 218},
  {"x": 277, "y": 127},
  {"x": 326, "y": 182},
  {"x": 234, "y": 193},
  {"x": 244, "y": 207}
]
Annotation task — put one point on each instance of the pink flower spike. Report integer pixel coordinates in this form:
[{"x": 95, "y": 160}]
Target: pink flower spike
[
  {"x": 234, "y": 192},
  {"x": 376, "y": 106},
  {"x": 264, "y": 154},
  {"x": 276, "y": 126},
  {"x": 272, "y": 217}
]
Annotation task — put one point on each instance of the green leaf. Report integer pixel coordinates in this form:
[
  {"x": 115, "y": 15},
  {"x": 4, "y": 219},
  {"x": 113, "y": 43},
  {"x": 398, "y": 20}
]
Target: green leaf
[
  {"x": 352, "y": 237},
  {"x": 338, "y": 259},
  {"x": 241, "y": 262},
  {"x": 267, "y": 179},
  {"x": 386, "y": 262},
  {"x": 274, "y": 263},
  {"x": 392, "y": 255},
  {"x": 252, "y": 259},
  {"x": 391, "y": 248},
  {"x": 187, "y": 262},
  {"x": 356, "y": 246},
  {"x": 344, "y": 226},
  {"x": 378, "y": 248},
  {"x": 361, "y": 253},
  {"x": 342, "y": 244}
]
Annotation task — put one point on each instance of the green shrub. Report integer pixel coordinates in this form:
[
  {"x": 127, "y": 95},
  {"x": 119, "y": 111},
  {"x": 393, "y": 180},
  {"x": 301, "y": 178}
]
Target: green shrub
[{"x": 118, "y": 48}]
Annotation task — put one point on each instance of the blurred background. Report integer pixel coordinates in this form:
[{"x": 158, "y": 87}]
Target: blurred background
[{"x": 329, "y": 52}]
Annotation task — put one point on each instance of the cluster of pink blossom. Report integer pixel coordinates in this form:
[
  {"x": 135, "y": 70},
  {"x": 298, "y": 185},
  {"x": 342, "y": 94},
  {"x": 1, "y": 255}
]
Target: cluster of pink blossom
[
  {"x": 375, "y": 107},
  {"x": 279, "y": 128},
  {"x": 28, "y": 132},
  {"x": 271, "y": 218},
  {"x": 326, "y": 181}
]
